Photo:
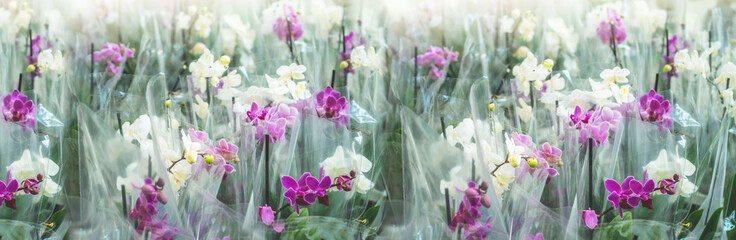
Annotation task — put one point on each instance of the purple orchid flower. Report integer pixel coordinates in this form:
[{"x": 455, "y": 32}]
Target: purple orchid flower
[
  {"x": 578, "y": 118},
  {"x": 298, "y": 193},
  {"x": 267, "y": 217},
  {"x": 653, "y": 108},
  {"x": 145, "y": 210},
  {"x": 18, "y": 109},
  {"x": 331, "y": 105},
  {"x": 467, "y": 213},
  {"x": 590, "y": 218},
  {"x": 115, "y": 56},
  {"x": 227, "y": 151},
  {"x": 436, "y": 58},
  {"x": 629, "y": 193},
  {"x": 548, "y": 153},
  {"x": 7, "y": 190},
  {"x": 286, "y": 23},
  {"x": 618, "y": 34}
]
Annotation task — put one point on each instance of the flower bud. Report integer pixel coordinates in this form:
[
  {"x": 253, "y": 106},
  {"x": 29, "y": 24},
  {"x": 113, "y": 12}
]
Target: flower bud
[
  {"x": 514, "y": 161},
  {"x": 198, "y": 48},
  {"x": 162, "y": 198},
  {"x": 160, "y": 182},
  {"x": 39, "y": 177},
  {"x": 521, "y": 52},
  {"x": 148, "y": 189},
  {"x": 491, "y": 107},
  {"x": 486, "y": 201},
  {"x": 343, "y": 64},
  {"x": 209, "y": 159},
  {"x": 352, "y": 173},
  {"x": 225, "y": 60},
  {"x": 31, "y": 68},
  {"x": 471, "y": 192},
  {"x": 168, "y": 103},
  {"x": 667, "y": 68},
  {"x": 483, "y": 186},
  {"x": 676, "y": 177},
  {"x": 548, "y": 63},
  {"x": 532, "y": 162}
]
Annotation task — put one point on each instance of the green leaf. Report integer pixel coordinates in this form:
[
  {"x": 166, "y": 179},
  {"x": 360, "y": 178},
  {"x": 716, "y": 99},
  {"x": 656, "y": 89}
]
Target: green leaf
[
  {"x": 55, "y": 220},
  {"x": 304, "y": 212},
  {"x": 693, "y": 219},
  {"x": 370, "y": 215},
  {"x": 712, "y": 225},
  {"x": 730, "y": 194}
]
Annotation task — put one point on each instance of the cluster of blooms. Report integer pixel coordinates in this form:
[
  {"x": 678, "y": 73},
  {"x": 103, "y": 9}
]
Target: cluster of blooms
[
  {"x": 595, "y": 124},
  {"x": 342, "y": 163},
  {"x": 304, "y": 193},
  {"x": 115, "y": 55},
  {"x": 612, "y": 30},
  {"x": 202, "y": 21},
  {"x": 271, "y": 120},
  {"x": 207, "y": 68},
  {"x": 33, "y": 167},
  {"x": 698, "y": 64},
  {"x": 144, "y": 212},
  {"x": 37, "y": 45},
  {"x": 516, "y": 23},
  {"x": 609, "y": 86},
  {"x": 329, "y": 104},
  {"x": 199, "y": 153},
  {"x": 468, "y": 213},
  {"x": 351, "y": 41},
  {"x": 521, "y": 147},
  {"x": 288, "y": 23},
  {"x": 653, "y": 108},
  {"x": 529, "y": 73},
  {"x": 674, "y": 45},
  {"x": 437, "y": 59},
  {"x": 10, "y": 187},
  {"x": 19, "y": 109},
  {"x": 629, "y": 194}
]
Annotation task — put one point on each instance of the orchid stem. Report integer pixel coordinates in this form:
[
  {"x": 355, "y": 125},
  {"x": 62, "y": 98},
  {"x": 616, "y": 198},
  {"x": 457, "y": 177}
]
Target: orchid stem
[
  {"x": 447, "y": 206},
  {"x": 125, "y": 202},
  {"x": 27, "y": 187},
  {"x": 266, "y": 149}
]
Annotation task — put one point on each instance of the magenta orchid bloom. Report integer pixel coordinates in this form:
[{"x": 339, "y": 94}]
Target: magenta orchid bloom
[
  {"x": 18, "y": 109},
  {"x": 590, "y": 218},
  {"x": 300, "y": 192},
  {"x": 7, "y": 190},
  {"x": 331, "y": 105},
  {"x": 617, "y": 34},
  {"x": 288, "y": 23},
  {"x": 436, "y": 58},
  {"x": 467, "y": 213},
  {"x": 629, "y": 193},
  {"x": 267, "y": 217},
  {"x": 653, "y": 108}
]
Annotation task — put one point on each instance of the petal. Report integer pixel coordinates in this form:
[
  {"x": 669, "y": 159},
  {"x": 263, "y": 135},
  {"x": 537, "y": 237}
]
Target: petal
[
  {"x": 291, "y": 196},
  {"x": 649, "y": 186},
  {"x": 278, "y": 226},
  {"x": 266, "y": 214},
  {"x": 612, "y": 186},
  {"x": 636, "y": 187},
  {"x": 303, "y": 179},
  {"x": 288, "y": 182},
  {"x": 633, "y": 201},
  {"x": 312, "y": 183},
  {"x": 12, "y": 186},
  {"x": 325, "y": 183},
  {"x": 614, "y": 198},
  {"x": 310, "y": 197}
]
